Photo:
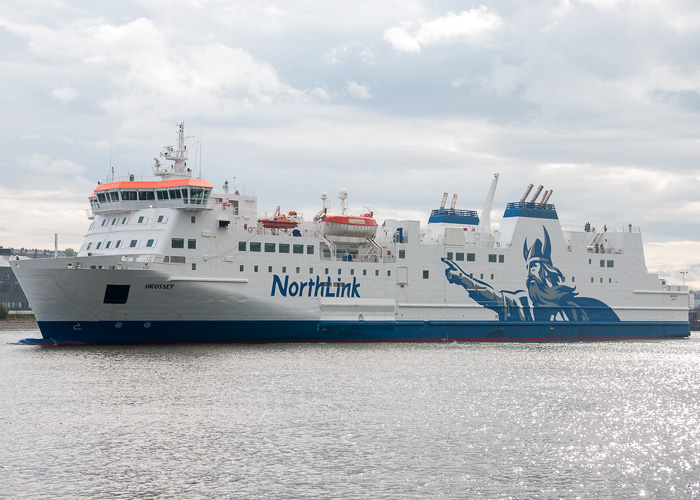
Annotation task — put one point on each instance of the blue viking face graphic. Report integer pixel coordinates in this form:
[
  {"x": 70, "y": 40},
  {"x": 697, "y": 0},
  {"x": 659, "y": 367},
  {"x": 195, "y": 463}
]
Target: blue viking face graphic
[{"x": 545, "y": 297}]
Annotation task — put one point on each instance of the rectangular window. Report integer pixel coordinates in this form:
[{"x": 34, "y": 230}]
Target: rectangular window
[
  {"x": 326, "y": 271},
  {"x": 255, "y": 246},
  {"x": 298, "y": 248},
  {"x": 109, "y": 244},
  {"x": 140, "y": 219},
  {"x": 124, "y": 220},
  {"x": 602, "y": 263},
  {"x": 460, "y": 256},
  {"x": 191, "y": 244},
  {"x": 104, "y": 222},
  {"x": 255, "y": 269},
  {"x": 352, "y": 272},
  {"x": 193, "y": 219},
  {"x": 269, "y": 247},
  {"x": 133, "y": 243},
  {"x": 450, "y": 256},
  {"x": 160, "y": 218},
  {"x": 376, "y": 272},
  {"x": 310, "y": 249},
  {"x": 241, "y": 246},
  {"x": 611, "y": 263},
  {"x": 114, "y": 195},
  {"x": 162, "y": 195},
  {"x": 224, "y": 223},
  {"x": 194, "y": 266},
  {"x": 492, "y": 276},
  {"x": 592, "y": 280},
  {"x": 284, "y": 248},
  {"x": 119, "y": 243},
  {"x": 471, "y": 257},
  {"x": 114, "y": 221},
  {"x": 501, "y": 258},
  {"x": 149, "y": 243},
  {"x": 364, "y": 272},
  {"x": 388, "y": 273},
  {"x": 89, "y": 246},
  {"x": 311, "y": 270},
  {"x": 269, "y": 269},
  {"x": 284, "y": 269},
  {"x": 298, "y": 270},
  {"x": 492, "y": 257},
  {"x": 241, "y": 268},
  {"x": 177, "y": 243},
  {"x": 426, "y": 274},
  {"x": 402, "y": 254},
  {"x": 340, "y": 271},
  {"x": 99, "y": 244}
]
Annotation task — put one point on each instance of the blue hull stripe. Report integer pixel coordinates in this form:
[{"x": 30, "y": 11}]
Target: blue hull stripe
[{"x": 139, "y": 332}]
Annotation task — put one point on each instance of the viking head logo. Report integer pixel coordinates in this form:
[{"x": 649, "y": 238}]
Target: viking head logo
[{"x": 539, "y": 252}]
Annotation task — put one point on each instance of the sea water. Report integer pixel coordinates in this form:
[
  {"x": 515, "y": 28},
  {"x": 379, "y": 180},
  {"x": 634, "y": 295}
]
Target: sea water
[{"x": 350, "y": 421}]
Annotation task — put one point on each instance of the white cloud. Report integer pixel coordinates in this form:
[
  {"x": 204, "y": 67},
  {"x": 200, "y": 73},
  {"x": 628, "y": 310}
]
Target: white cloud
[
  {"x": 359, "y": 90},
  {"x": 43, "y": 164},
  {"x": 473, "y": 27},
  {"x": 64, "y": 94}
]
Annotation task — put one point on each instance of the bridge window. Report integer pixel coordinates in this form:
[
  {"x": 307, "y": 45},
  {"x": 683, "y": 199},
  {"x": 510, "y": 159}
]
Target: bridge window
[
  {"x": 175, "y": 194},
  {"x": 177, "y": 243},
  {"x": 146, "y": 195},
  {"x": 114, "y": 195},
  {"x": 101, "y": 197},
  {"x": 129, "y": 195},
  {"x": 184, "y": 195},
  {"x": 162, "y": 195}
]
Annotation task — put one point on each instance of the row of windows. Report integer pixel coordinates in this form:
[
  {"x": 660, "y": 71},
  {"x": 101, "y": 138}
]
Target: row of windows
[
  {"x": 426, "y": 273},
  {"x": 257, "y": 246},
  {"x": 180, "y": 243},
  {"x": 459, "y": 256},
  {"x": 118, "y": 244},
  {"x": 610, "y": 263},
  {"x": 195, "y": 196},
  {"x": 161, "y": 219}
]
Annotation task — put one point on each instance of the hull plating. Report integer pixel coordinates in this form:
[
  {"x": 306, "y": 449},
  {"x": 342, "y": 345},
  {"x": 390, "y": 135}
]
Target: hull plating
[{"x": 137, "y": 332}]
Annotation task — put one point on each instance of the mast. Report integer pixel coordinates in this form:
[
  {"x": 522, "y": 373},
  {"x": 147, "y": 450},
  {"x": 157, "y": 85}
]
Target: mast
[
  {"x": 486, "y": 212},
  {"x": 179, "y": 169}
]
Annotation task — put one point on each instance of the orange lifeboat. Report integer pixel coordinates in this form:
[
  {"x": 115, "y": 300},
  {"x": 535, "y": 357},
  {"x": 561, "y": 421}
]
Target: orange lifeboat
[
  {"x": 358, "y": 226},
  {"x": 280, "y": 221}
]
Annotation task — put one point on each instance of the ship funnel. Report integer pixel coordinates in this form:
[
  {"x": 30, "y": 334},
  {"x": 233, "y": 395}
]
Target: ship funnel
[
  {"x": 544, "y": 195},
  {"x": 486, "y": 212},
  {"x": 454, "y": 202},
  {"x": 527, "y": 191},
  {"x": 546, "y": 200},
  {"x": 537, "y": 193},
  {"x": 444, "y": 200}
]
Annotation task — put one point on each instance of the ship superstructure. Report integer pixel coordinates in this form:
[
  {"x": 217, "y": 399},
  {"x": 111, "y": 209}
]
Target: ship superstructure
[{"x": 171, "y": 260}]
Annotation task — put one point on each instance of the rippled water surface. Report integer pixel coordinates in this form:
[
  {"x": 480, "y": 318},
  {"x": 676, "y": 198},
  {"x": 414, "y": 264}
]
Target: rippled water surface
[{"x": 375, "y": 421}]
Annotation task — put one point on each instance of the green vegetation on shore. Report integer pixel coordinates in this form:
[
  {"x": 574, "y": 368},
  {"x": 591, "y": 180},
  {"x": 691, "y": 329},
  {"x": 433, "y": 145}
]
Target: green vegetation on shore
[{"x": 5, "y": 314}]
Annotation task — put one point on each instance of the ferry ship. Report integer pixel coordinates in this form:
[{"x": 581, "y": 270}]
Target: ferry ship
[{"x": 171, "y": 260}]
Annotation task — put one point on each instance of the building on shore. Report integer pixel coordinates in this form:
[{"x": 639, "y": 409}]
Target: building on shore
[{"x": 11, "y": 294}]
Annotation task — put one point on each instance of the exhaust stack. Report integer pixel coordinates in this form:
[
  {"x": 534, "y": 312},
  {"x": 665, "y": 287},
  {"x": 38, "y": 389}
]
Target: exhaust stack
[
  {"x": 527, "y": 191},
  {"x": 537, "y": 193}
]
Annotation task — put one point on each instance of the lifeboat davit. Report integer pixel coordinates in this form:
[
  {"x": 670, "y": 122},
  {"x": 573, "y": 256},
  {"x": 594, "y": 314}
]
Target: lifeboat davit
[
  {"x": 280, "y": 221},
  {"x": 358, "y": 226}
]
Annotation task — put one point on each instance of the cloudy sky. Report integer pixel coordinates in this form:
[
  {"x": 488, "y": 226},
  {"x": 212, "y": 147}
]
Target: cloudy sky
[{"x": 397, "y": 101}]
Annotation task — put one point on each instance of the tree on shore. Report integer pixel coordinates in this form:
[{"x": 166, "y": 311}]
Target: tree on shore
[{"x": 3, "y": 311}]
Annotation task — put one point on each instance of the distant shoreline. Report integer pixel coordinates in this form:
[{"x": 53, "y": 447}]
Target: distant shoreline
[{"x": 18, "y": 324}]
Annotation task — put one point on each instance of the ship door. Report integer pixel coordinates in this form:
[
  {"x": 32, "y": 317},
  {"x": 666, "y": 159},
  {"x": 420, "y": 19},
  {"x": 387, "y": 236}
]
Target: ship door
[{"x": 402, "y": 275}]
